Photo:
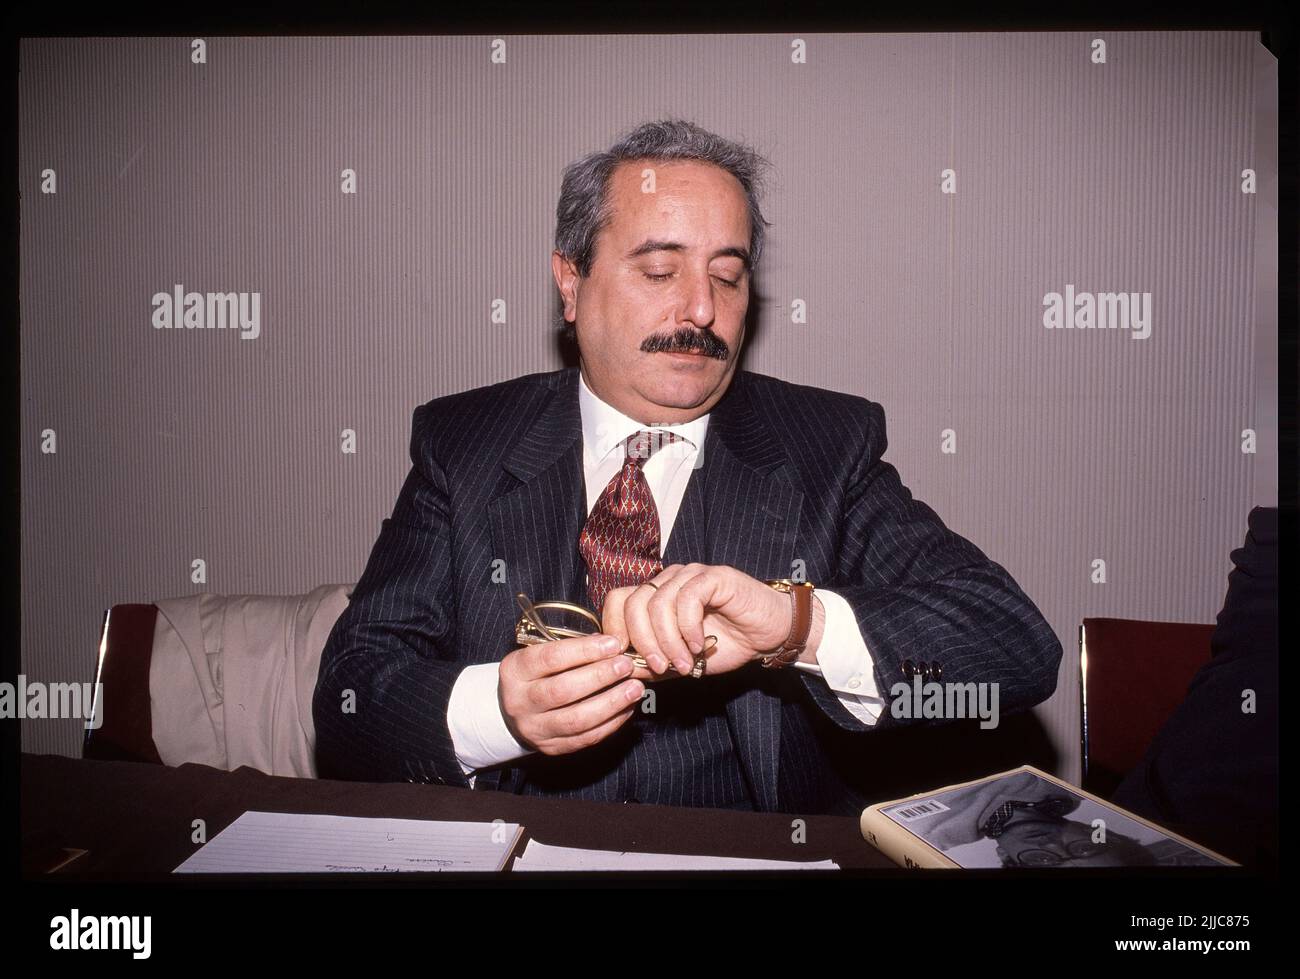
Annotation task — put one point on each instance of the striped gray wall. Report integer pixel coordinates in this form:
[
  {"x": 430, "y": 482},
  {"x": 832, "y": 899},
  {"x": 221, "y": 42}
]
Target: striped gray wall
[{"x": 1071, "y": 445}]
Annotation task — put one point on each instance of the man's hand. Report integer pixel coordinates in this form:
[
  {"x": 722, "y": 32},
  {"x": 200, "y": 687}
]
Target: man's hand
[
  {"x": 669, "y": 623},
  {"x": 562, "y": 696}
]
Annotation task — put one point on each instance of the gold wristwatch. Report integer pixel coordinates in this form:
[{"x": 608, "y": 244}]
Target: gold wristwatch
[{"x": 800, "y": 623}]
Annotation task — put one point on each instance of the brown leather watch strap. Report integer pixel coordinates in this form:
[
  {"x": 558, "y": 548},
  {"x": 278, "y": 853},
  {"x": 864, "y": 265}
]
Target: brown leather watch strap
[{"x": 800, "y": 623}]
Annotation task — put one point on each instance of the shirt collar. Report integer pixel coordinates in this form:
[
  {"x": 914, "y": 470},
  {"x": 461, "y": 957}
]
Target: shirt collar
[{"x": 604, "y": 427}]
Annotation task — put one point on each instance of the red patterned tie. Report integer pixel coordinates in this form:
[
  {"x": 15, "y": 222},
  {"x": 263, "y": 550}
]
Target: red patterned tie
[{"x": 620, "y": 541}]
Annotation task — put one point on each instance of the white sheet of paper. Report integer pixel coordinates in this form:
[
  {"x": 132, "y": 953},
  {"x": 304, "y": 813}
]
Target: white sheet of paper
[
  {"x": 541, "y": 856},
  {"x": 294, "y": 843}
]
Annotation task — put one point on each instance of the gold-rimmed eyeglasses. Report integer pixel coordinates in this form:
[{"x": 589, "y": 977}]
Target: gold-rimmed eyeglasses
[{"x": 533, "y": 628}]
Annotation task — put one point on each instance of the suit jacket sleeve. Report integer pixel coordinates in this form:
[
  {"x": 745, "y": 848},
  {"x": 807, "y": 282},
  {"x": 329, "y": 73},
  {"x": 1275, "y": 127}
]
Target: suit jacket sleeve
[
  {"x": 390, "y": 654},
  {"x": 1214, "y": 765},
  {"x": 923, "y": 593}
]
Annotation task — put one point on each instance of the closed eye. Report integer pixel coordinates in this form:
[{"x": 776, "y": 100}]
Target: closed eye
[{"x": 668, "y": 275}]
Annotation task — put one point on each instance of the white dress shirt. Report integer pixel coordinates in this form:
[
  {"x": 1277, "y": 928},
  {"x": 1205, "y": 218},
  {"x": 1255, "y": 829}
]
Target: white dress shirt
[{"x": 478, "y": 731}]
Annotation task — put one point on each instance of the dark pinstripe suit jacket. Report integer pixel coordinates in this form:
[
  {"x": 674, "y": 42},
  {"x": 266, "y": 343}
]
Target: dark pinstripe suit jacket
[{"x": 788, "y": 473}]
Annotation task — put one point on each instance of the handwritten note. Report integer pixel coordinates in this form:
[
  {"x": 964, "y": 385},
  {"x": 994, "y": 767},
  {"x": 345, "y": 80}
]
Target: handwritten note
[{"x": 292, "y": 843}]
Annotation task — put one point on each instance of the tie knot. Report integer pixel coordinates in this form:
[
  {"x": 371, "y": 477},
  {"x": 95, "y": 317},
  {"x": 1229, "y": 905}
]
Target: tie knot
[{"x": 643, "y": 444}]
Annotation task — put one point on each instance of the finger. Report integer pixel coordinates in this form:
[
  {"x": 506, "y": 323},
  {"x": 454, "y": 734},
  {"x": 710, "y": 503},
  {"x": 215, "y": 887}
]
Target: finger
[
  {"x": 662, "y": 613},
  {"x": 557, "y": 656},
  {"x": 596, "y": 734},
  {"x": 691, "y": 600},
  {"x": 573, "y": 720},
  {"x": 641, "y": 633},
  {"x": 612, "y": 615},
  {"x": 648, "y": 676},
  {"x": 571, "y": 686}
]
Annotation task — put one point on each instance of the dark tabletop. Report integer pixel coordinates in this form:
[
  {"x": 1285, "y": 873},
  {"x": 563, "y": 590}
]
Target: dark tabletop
[{"x": 136, "y": 820}]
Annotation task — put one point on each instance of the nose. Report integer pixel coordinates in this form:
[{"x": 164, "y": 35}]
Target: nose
[{"x": 698, "y": 306}]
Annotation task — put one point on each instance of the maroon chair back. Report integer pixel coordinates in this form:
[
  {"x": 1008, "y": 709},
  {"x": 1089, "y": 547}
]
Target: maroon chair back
[
  {"x": 125, "y": 732},
  {"x": 1132, "y": 676}
]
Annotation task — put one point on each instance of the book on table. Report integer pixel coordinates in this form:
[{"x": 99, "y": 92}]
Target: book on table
[{"x": 1023, "y": 818}]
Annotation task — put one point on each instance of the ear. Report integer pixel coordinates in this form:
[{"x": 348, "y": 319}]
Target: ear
[{"x": 567, "y": 281}]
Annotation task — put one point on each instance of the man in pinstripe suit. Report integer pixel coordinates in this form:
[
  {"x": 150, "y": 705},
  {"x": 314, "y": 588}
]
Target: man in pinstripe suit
[{"x": 533, "y": 486}]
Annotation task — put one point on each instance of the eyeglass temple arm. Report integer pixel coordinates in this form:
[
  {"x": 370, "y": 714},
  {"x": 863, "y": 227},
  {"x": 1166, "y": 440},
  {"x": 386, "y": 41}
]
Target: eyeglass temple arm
[{"x": 530, "y": 610}]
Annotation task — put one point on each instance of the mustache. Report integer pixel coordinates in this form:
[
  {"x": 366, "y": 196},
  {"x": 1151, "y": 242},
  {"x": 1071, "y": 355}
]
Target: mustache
[{"x": 687, "y": 340}]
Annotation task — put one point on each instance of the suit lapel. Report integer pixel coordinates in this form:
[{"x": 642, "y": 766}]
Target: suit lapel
[
  {"x": 535, "y": 523},
  {"x": 740, "y": 509}
]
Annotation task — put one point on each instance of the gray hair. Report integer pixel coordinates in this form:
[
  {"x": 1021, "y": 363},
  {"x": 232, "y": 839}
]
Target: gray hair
[{"x": 584, "y": 209}]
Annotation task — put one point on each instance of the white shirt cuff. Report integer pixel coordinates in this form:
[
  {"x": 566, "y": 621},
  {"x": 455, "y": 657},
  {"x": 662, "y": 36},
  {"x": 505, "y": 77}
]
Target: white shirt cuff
[
  {"x": 478, "y": 731},
  {"x": 844, "y": 662}
]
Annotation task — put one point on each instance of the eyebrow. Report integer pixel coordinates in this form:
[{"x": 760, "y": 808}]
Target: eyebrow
[{"x": 657, "y": 245}]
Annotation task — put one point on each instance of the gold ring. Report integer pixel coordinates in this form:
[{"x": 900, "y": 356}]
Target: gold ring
[{"x": 651, "y": 584}]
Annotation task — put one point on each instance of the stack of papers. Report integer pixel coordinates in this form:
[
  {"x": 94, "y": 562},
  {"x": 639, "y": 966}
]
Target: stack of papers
[
  {"x": 290, "y": 843},
  {"x": 540, "y": 856}
]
